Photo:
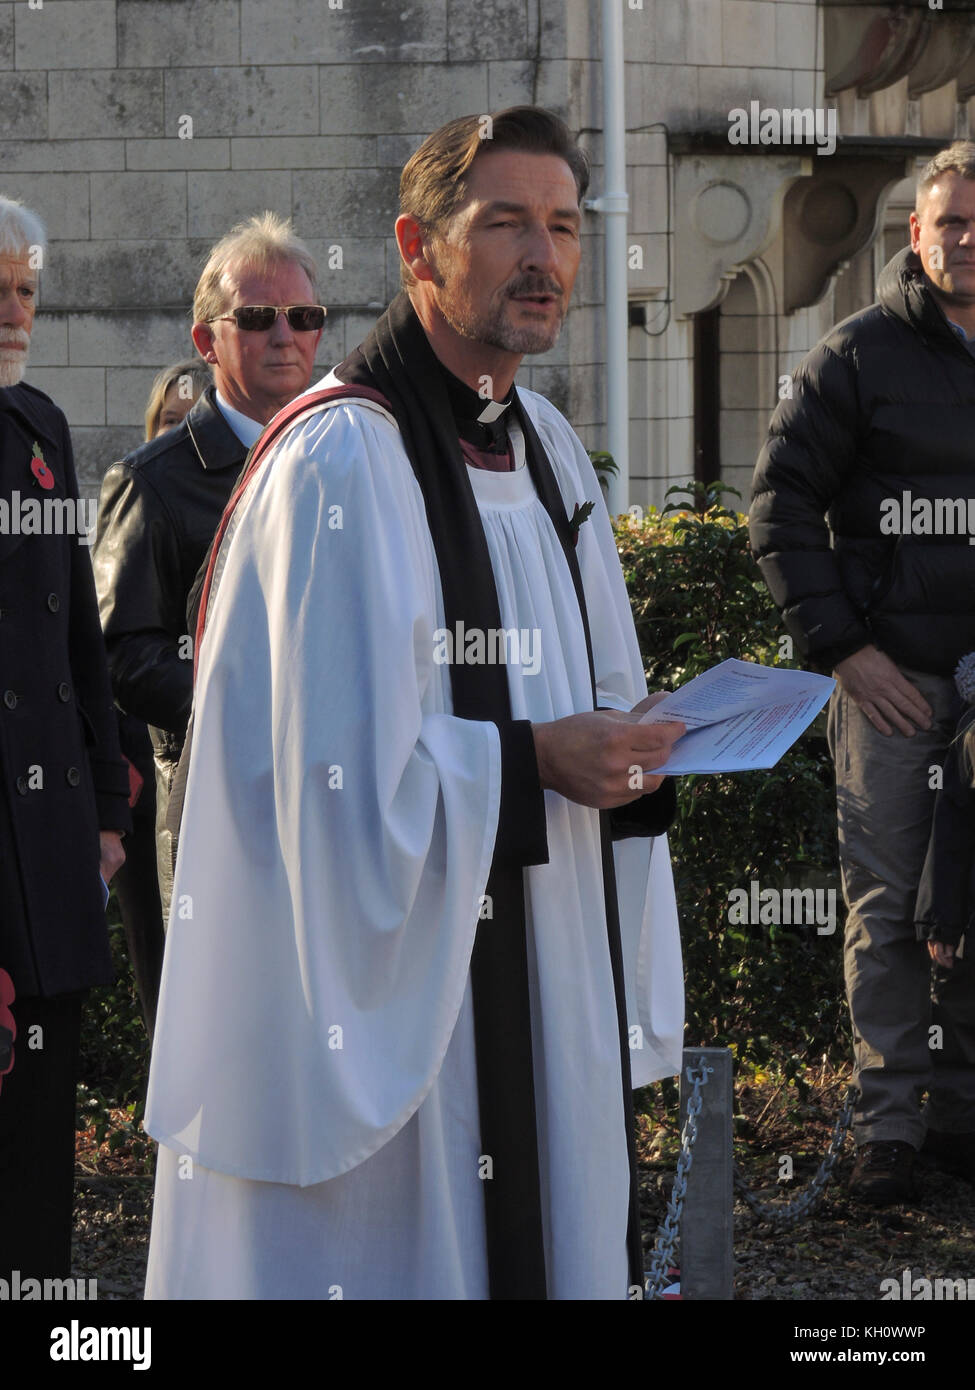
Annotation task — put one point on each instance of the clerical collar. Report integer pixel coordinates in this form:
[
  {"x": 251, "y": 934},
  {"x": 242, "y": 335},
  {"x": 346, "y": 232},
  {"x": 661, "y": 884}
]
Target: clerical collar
[
  {"x": 480, "y": 422},
  {"x": 248, "y": 431}
]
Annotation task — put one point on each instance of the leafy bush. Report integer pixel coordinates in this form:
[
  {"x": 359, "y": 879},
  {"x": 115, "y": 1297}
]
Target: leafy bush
[{"x": 772, "y": 993}]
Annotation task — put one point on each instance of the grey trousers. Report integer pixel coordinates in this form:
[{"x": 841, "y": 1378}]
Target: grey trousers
[{"x": 884, "y": 804}]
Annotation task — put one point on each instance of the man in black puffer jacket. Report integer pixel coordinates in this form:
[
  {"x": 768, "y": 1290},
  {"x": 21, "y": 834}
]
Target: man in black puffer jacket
[{"x": 860, "y": 522}]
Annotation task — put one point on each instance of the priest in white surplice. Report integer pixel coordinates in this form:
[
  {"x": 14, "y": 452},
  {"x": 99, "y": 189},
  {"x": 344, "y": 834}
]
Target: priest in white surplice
[{"x": 402, "y": 1010}]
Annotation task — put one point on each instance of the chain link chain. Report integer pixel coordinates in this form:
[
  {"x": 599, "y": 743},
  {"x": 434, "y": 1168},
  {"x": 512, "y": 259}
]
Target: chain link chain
[
  {"x": 779, "y": 1214},
  {"x": 660, "y": 1263},
  {"x": 775, "y": 1214}
]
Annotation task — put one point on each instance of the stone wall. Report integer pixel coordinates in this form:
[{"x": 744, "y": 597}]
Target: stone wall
[
  {"x": 141, "y": 130},
  {"x": 688, "y": 65}
]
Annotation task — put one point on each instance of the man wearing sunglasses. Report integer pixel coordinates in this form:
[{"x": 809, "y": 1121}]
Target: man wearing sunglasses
[{"x": 257, "y": 322}]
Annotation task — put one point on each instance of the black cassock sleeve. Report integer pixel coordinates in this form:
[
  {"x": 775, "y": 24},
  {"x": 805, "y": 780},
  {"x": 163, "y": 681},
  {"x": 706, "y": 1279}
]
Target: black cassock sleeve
[
  {"x": 522, "y": 832},
  {"x": 651, "y": 815}
]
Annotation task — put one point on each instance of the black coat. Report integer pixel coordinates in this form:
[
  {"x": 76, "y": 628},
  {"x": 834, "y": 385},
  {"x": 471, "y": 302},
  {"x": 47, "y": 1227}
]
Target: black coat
[
  {"x": 158, "y": 511},
  {"x": 885, "y": 404},
  {"x": 62, "y": 778}
]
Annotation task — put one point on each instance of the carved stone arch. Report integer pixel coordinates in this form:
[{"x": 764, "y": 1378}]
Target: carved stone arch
[
  {"x": 803, "y": 216},
  {"x": 749, "y": 369},
  {"x": 727, "y": 211},
  {"x": 828, "y": 218},
  {"x": 767, "y": 304}
]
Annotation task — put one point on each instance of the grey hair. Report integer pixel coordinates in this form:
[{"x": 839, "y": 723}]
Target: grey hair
[
  {"x": 958, "y": 158},
  {"x": 262, "y": 242},
  {"x": 19, "y": 228}
]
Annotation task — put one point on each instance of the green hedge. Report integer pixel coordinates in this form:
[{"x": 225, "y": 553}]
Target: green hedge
[{"x": 773, "y": 993}]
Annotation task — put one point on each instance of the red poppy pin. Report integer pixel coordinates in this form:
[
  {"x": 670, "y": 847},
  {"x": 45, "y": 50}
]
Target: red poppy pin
[
  {"x": 40, "y": 469},
  {"x": 579, "y": 515},
  {"x": 8, "y": 1026}
]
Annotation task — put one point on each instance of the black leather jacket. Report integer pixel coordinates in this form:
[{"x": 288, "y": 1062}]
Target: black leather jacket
[
  {"x": 158, "y": 511},
  {"x": 884, "y": 406}
]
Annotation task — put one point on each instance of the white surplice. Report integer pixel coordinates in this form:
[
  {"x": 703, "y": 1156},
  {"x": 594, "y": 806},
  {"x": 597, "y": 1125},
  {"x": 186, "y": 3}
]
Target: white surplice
[{"x": 313, "y": 1084}]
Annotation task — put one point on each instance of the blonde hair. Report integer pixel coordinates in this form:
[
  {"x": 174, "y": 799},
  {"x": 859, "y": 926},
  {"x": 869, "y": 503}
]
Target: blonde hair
[
  {"x": 262, "y": 242},
  {"x": 193, "y": 369},
  {"x": 968, "y": 755}
]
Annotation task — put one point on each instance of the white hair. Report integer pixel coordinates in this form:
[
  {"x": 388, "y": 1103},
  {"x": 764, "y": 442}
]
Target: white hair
[
  {"x": 19, "y": 228},
  {"x": 21, "y": 234}
]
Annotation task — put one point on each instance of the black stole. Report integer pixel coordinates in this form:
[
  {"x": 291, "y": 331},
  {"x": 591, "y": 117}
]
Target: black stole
[{"x": 398, "y": 361}]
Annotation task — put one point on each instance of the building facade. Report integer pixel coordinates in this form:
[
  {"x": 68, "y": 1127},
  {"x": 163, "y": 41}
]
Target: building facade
[{"x": 141, "y": 130}]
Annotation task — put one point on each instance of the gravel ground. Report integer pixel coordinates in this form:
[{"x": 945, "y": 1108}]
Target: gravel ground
[{"x": 841, "y": 1253}]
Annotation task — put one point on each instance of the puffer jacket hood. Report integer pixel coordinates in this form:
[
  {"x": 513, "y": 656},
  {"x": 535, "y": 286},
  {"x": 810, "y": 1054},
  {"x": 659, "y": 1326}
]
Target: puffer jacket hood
[{"x": 903, "y": 290}]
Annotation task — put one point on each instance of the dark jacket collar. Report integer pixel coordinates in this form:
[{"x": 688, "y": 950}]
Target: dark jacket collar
[
  {"x": 903, "y": 290},
  {"x": 213, "y": 439},
  {"x": 37, "y": 413}
]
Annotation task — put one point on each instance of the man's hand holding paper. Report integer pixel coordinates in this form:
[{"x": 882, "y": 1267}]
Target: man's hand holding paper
[
  {"x": 590, "y": 758},
  {"x": 739, "y": 716}
]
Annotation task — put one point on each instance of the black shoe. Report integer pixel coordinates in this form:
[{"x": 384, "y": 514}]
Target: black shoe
[
  {"x": 883, "y": 1173},
  {"x": 951, "y": 1153}
]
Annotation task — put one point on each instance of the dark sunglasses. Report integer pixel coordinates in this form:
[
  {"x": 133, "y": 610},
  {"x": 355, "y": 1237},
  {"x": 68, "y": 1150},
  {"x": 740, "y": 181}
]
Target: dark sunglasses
[{"x": 258, "y": 318}]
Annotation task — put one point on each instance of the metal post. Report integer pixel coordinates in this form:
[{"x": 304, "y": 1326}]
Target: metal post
[
  {"x": 614, "y": 204},
  {"x": 707, "y": 1225}
]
